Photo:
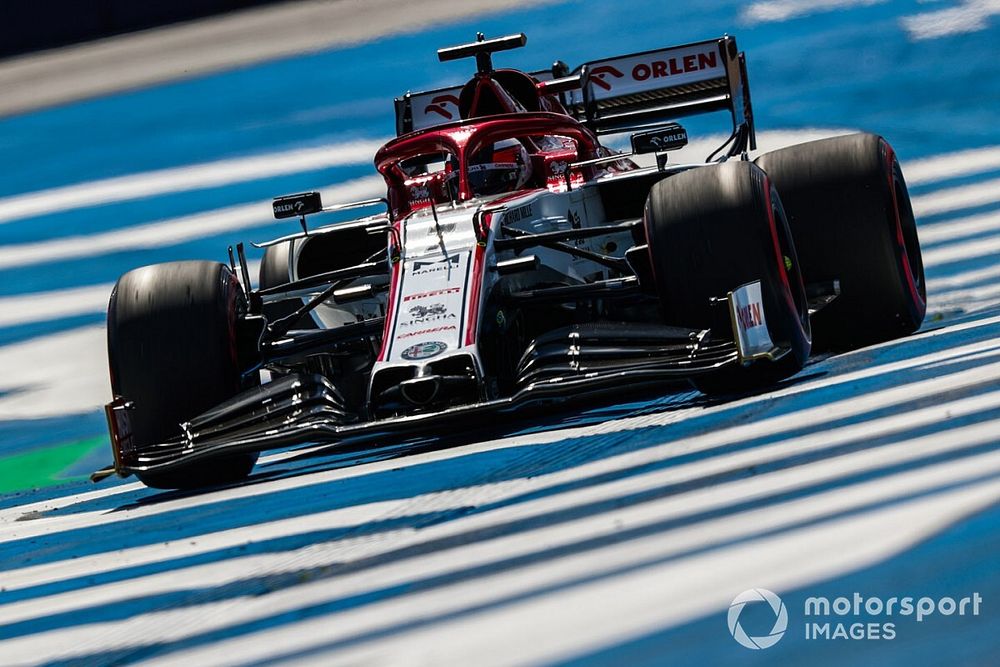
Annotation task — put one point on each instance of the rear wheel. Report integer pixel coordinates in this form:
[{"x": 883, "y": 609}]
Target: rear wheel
[
  {"x": 710, "y": 230},
  {"x": 173, "y": 354},
  {"x": 850, "y": 215}
]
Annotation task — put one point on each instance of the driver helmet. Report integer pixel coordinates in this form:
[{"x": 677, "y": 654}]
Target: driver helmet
[{"x": 502, "y": 167}]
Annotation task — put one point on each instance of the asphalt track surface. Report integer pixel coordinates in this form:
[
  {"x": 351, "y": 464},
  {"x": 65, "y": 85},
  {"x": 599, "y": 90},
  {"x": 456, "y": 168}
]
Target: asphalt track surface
[{"x": 616, "y": 535}]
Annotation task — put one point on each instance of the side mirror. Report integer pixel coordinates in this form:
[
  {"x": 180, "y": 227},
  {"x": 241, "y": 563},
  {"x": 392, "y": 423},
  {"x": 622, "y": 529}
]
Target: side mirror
[
  {"x": 296, "y": 206},
  {"x": 669, "y": 137}
]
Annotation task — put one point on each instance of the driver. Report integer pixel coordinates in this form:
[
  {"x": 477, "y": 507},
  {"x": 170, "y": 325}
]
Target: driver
[{"x": 503, "y": 167}]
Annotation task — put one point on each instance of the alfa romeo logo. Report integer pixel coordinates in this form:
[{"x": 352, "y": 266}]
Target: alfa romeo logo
[
  {"x": 424, "y": 350},
  {"x": 780, "y": 618}
]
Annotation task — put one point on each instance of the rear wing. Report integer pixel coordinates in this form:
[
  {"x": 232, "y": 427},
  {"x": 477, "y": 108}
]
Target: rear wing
[
  {"x": 626, "y": 93},
  {"x": 643, "y": 90}
]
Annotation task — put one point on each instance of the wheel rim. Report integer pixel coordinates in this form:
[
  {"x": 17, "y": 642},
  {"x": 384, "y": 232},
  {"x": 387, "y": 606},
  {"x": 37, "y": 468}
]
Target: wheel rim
[
  {"x": 905, "y": 231},
  {"x": 787, "y": 259},
  {"x": 908, "y": 230}
]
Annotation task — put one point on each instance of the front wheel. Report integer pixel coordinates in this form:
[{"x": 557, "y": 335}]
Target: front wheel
[
  {"x": 172, "y": 352},
  {"x": 710, "y": 230}
]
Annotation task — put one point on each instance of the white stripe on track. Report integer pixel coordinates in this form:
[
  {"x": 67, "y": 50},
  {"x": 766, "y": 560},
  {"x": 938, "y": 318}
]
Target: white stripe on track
[
  {"x": 966, "y": 301},
  {"x": 969, "y": 16},
  {"x": 964, "y": 278},
  {"x": 955, "y": 252},
  {"x": 179, "y": 179},
  {"x": 57, "y": 304},
  {"x": 16, "y": 512},
  {"x": 39, "y": 307},
  {"x": 952, "y": 199},
  {"x": 55, "y": 375},
  {"x": 952, "y": 165},
  {"x": 170, "y": 232},
  {"x": 955, "y": 230},
  {"x": 775, "y": 11}
]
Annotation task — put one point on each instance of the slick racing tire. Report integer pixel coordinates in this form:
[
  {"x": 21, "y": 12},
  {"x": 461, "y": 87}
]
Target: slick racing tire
[
  {"x": 711, "y": 230},
  {"x": 173, "y": 353},
  {"x": 850, "y": 216}
]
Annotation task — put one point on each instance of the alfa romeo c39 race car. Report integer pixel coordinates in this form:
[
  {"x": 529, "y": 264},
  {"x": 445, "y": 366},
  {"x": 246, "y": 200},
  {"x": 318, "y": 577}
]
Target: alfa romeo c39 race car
[{"x": 519, "y": 263}]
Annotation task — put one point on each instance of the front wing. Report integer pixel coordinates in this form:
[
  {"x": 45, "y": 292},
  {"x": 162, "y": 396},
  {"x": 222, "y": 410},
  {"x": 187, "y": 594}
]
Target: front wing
[{"x": 307, "y": 409}]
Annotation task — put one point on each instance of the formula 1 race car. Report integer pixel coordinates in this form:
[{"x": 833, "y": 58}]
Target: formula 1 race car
[{"x": 519, "y": 264}]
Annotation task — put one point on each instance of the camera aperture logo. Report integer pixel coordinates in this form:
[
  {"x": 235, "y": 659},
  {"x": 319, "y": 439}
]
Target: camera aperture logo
[
  {"x": 780, "y": 618},
  {"x": 858, "y": 617}
]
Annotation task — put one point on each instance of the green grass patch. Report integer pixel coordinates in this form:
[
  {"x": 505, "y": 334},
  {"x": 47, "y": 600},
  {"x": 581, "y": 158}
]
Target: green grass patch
[{"x": 42, "y": 467}]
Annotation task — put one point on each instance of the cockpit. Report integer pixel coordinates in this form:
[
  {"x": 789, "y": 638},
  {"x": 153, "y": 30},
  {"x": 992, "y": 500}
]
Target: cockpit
[
  {"x": 495, "y": 169},
  {"x": 470, "y": 159}
]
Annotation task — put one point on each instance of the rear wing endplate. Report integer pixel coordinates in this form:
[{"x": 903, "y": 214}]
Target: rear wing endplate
[{"x": 419, "y": 111}]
